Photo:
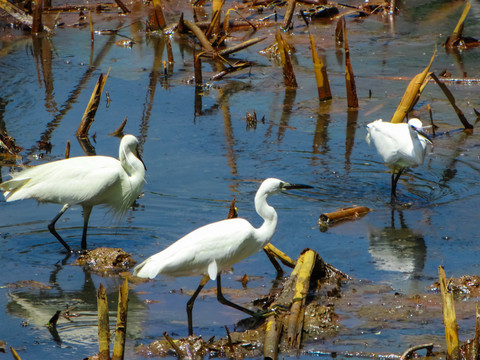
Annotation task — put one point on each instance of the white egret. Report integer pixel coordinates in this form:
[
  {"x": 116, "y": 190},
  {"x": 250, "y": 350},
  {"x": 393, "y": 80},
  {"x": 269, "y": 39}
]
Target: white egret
[
  {"x": 85, "y": 181},
  {"x": 401, "y": 145},
  {"x": 215, "y": 247}
]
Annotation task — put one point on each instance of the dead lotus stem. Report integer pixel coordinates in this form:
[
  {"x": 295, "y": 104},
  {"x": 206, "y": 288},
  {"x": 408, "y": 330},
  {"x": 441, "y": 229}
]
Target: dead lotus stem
[
  {"x": 284, "y": 258},
  {"x": 122, "y": 6},
  {"x": 156, "y": 19},
  {"x": 412, "y": 93},
  {"x": 15, "y": 354},
  {"x": 297, "y": 309},
  {"x": 287, "y": 20},
  {"x": 321, "y": 77},
  {"x": 243, "y": 45},
  {"x": 67, "y": 150},
  {"x": 343, "y": 214},
  {"x": 90, "y": 21},
  {"x": 20, "y": 15},
  {"x": 119, "y": 131},
  {"x": 169, "y": 50},
  {"x": 273, "y": 331},
  {"x": 37, "y": 16},
  {"x": 451, "y": 99},
  {"x": 90, "y": 111},
  {"x": 103, "y": 326},
  {"x": 197, "y": 68},
  {"x": 200, "y": 36},
  {"x": 449, "y": 318},
  {"x": 288, "y": 74},
  {"x": 121, "y": 329},
  {"x": 352, "y": 99},
  {"x": 454, "y": 39}
]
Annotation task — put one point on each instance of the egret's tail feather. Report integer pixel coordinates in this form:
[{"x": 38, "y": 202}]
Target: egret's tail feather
[
  {"x": 10, "y": 187},
  {"x": 147, "y": 269}
]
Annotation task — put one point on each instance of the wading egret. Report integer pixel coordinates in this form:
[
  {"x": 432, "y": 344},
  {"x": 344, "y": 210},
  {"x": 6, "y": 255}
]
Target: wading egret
[
  {"x": 85, "y": 181},
  {"x": 400, "y": 145},
  {"x": 215, "y": 247}
]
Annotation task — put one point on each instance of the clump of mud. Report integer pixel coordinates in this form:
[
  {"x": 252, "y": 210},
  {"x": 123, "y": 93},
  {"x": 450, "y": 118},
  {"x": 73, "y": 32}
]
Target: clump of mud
[{"x": 107, "y": 261}]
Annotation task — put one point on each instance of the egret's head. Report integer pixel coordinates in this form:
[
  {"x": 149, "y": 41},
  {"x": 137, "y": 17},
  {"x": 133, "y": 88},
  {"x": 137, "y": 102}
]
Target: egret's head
[
  {"x": 272, "y": 186},
  {"x": 129, "y": 144}
]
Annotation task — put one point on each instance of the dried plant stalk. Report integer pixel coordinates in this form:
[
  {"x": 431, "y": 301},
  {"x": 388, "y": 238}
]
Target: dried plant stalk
[
  {"x": 197, "y": 68},
  {"x": 339, "y": 31},
  {"x": 37, "y": 25},
  {"x": 20, "y": 15},
  {"x": 90, "y": 21},
  {"x": 67, "y": 150},
  {"x": 243, "y": 45},
  {"x": 451, "y": 98},
  {"x": 273, "y": 330},
  {"x": 122, "y": 6},
  {"x": 200, "y": 36},
  {"x": 103, "y": 326},
  {"x": 457, "y": 34},
  {"x": 15, "y": 354},
  {"x": 288, "y": 74},
  {"x": 119, "y": 131},
  {"x": 412, "y": 94},
  {"x": 90, "y": 111},
  {"x": 343, "y": 214},
  {"x": 287, "y": 20},
  {"x": 156, "y": 20},
  {"x": 323, "y": 85},
  {"x": 297, "y": 310},
  {"x": 352, "y": 99},
  {"x": 449, "y": 317},
  {"x": 121, "y": 330},
  {"x": 284, "y": 258}
]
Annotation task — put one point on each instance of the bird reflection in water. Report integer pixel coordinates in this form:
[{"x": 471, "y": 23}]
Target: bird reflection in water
[{"x": 398, "y": 249}]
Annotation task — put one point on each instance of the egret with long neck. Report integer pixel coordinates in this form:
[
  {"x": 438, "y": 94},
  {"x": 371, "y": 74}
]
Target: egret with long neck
[
  {"x": 85, "y": 180},
  {"x": 215, "y": 247}
]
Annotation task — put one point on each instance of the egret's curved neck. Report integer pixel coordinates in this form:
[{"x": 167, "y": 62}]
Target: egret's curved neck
[
  {"x": 132, "y": 164},
  {"x": 269, "y": 216}
]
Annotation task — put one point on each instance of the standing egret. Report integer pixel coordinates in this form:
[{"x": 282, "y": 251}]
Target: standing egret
[
  {"x": 85, "y": 181},
  {"x": 401, "y": 145},
  {"x": 215, "y": 247}
]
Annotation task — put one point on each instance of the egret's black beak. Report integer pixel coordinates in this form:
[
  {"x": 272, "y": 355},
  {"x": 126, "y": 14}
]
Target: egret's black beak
[
  {"x": 140, "y": 158},
  {"x": 423, "y": 134},
  {"x": 288, "y": 186}
]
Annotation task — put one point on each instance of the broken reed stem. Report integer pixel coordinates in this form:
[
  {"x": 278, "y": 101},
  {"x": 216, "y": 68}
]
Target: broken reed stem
[
  {"x": 321, "y": 77},
  {"x": 241, "y": 46},
  {"x": 20, "y": 15},
  {"x": 169, "y": 50},
  {"x": 119, "y": 131},
  {"x": 156, "y": 20},
  {"x": 284, "y": 258},
  {"x": 37, "y": 16},
  {"x": 67, "y": 150},
  {"x": 449, "y": 317},
  {"x": 14, "y": 354},
  {"x": 352, "y": 99},
  {"x": 343, "y": 214},
  {"x": 122, "y": 6},
  {"x": 457, "y": 33},
  {"x": 412, "y": 93},
  {"x": 275, "y": 263},
  {"x": 121, "y": 330},
  {"x": 197, "y": 68},
  {"x": 287, "y": 20},
  {"x": 103, "y": 326},
  {"x": 273, "y": 330},
  {"x": 91, "y": 25},
  {"x": 180, "y": 353},
  {"x": 297, "y": 310},
  {"x": 451, "y": 98},
  {"x": 200, "y": 36},
  {"x": 288, "y": 74},
  {"x": 90, "y": 111}
]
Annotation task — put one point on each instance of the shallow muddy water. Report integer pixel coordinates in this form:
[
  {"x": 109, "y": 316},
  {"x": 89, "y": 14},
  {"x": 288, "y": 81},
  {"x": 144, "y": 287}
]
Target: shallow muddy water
[{"x": 198, "y": 161}]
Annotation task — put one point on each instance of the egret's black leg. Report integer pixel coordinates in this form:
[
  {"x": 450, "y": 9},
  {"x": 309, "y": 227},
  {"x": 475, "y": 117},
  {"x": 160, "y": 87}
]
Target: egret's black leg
[
  {"x": 190, "y": 302},
  {"x": 224, "y": 301},
  {"x": 86, "y": 215},
  {"x": 395, "y": 178},
  {"x": 51, "y": 227}
]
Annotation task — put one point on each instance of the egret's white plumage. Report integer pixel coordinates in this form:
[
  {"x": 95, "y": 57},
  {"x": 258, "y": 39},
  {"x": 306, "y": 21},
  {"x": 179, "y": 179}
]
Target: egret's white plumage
[
  {"x": 401, "y": 145},
  {"x": 85, "y": 181},
  {"x": 215, "y": 247}
]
